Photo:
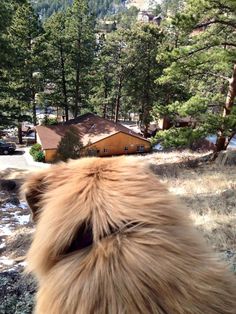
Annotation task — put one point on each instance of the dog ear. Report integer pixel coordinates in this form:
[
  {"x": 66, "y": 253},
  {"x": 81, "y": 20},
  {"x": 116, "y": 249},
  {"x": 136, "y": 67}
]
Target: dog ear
[{"x": 33, "y": 190}]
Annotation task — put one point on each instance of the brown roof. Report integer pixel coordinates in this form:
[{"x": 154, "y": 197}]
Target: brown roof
[{"x": 91, "y": 129}]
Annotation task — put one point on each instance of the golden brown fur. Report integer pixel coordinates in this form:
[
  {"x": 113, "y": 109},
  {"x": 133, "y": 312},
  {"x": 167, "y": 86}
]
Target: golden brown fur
[{"x": 146, "y": 256}]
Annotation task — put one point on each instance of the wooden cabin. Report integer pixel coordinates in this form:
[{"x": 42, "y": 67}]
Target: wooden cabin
[{"x": 97, "y": 134}]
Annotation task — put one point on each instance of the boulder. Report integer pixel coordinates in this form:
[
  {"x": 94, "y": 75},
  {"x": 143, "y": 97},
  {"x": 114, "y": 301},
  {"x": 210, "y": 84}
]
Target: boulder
[{"x": 229, "y": 193}]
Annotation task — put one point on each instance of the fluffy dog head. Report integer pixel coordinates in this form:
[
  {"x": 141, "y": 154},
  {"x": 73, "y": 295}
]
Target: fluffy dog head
[{"x": 111, "y": 239}]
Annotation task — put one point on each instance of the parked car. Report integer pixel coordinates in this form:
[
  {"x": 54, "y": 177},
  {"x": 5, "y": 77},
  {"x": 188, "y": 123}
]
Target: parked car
[{"x": 7, "y": 148}]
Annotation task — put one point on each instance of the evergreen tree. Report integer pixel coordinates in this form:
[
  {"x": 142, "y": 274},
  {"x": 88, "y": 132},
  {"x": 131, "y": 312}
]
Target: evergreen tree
[
  {"x": 70, "y": 145},
  {"x": 101, "y": 97},
  {"x": 57, "y": 50},
  {"x": 10, "y": 109},
  {"x": 5, "y": 18},
  {"x": 202, "y": 57},
  {"x": 5, "y": 52},
  {"x": 143, "y": 44},
  {"x": 112, "y": 73},
  {"x": 45, "y": 8},
  {"x": 127, "y": 70},
  {"x": 24, "y": 31},
  {"x": 81, "y": 35}
]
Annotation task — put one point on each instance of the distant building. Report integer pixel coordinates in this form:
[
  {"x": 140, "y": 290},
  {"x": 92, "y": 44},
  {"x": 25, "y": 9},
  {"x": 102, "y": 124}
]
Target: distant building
[
  {"x": 96, "y": 133},
  {"x": 165, "y": 123},
  {"x": 149, "y": 17}
]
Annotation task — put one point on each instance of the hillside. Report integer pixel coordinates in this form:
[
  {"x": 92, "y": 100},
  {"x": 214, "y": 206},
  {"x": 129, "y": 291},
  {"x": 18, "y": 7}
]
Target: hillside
[
  {"x": 142, "y": 4},
  {"x": 45, "y": 8}
]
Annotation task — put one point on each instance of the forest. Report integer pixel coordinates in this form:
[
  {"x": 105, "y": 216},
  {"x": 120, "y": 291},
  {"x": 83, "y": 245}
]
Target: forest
[
  {"x": 100, "y": 8},
  {"x": 181, "y": 68}
]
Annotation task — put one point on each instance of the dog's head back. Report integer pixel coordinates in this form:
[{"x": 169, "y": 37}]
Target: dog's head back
[
  {"x": 111, "y": 239},
  {"x": 79, "y": 204}
]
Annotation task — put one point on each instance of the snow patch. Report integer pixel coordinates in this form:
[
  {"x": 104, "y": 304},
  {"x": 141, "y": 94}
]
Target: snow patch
[
  {"x": 8, "y": 206},
  {"x": 158, "y": 147},
  {"x": 2, "y": 245},
  {"x": 5, "y": 230},
  {"x": 6, "y": 261},
  {"x": 23, "y": 219},
  {"x": 177, "y": 190},
  {"x": 23, "y": 205}
]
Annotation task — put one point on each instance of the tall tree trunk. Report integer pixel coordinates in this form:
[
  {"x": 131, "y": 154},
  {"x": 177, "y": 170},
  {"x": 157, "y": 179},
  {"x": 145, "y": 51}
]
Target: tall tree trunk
[
  {"x": 64, "y": 89},
  {"x": 19, "y": 127},
  {"x": 105, "y": 102},
  {"x": 78, "y": 74},
  {"x": 222, "y": 142},
  {"x": 118, "y": 97},
  {"x": 34, "y": 112},
  {"x": 147, "y": 107},
  {"x": 105, "y": 110},
  {"x": 32, "y": 95},
  {"x": 77, "y": 94}
]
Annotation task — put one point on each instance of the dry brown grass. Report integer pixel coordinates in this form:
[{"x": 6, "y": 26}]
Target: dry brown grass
[{"x": 209, "y": 193}]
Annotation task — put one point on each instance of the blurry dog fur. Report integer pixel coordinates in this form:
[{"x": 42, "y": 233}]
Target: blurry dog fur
[{"x": 110, "y": 239}]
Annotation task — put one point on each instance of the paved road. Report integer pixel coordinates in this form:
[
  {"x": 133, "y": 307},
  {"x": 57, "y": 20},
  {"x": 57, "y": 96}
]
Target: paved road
[{"x": 18, "y": 160}]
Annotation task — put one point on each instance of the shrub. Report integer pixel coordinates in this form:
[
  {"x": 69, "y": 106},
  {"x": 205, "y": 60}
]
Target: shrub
[
  {"x": 35, "y": 148},
  {"x": 37, "y": 153},
  {"x": 49, "y": 121},
  {"x": 39, "y": 156}
]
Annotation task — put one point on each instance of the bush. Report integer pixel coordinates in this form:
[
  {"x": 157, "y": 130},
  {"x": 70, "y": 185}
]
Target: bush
[
  {"x": 35, "y": 149},
  {"x": 49, "y": 121},
  {"x": 37, "y": 153},
  {"x": 39, "y": 156}
]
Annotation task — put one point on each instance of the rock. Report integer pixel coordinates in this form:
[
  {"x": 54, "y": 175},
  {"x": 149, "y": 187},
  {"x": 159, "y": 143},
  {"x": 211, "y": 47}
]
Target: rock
[
  {"x": 229, "y": 193},
  {"x": 8, "y": 185},
  {"x": 226, "y": 158},
  {"x": 13, "y": 200},
  {"x": 16, "y": 293}
]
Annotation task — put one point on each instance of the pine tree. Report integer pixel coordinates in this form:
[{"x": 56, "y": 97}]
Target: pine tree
[
  {"x": 11, "y": 111},
  {"x": 102, "y": 97},
  {"x": 81, "y": 35},
  {"x": 24, "y": 31},
  {"x": 112, "y": 73},
  {"x": 201, "y": 55},
  {"x": 57, "y": 50},
  {"x": 70, "y": 145},
  {"x": 143, "y": 44}
]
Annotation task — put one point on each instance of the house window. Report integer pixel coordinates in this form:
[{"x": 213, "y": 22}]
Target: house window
[
  {"x": 126, "y": 148},
  {"x": 105, "y": 150},
  {"x": 140, "y": 149},
  {"x": 98, "y": 151}
]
